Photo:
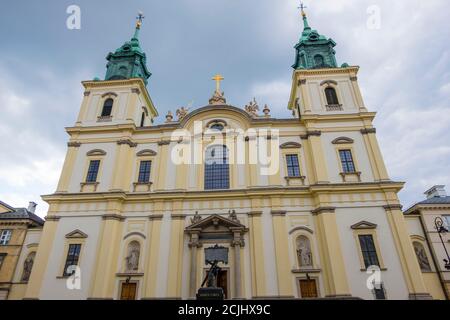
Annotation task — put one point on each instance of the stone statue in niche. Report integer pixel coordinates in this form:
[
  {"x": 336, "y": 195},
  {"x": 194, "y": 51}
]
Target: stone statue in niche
[
  {"x": 422, "y": 257},
  {"x": 132, "y": 259},
  {"x": 304, "y": 253},
  {"x": 27, "y": 266}
]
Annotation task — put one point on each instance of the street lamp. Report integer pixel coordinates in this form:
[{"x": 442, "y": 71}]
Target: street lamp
[{"x": 439, "y": 225}]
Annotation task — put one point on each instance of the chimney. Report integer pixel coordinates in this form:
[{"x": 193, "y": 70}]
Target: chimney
[
  {"x": 32, "y": 206},
  {"x": 436, "y": 191}
]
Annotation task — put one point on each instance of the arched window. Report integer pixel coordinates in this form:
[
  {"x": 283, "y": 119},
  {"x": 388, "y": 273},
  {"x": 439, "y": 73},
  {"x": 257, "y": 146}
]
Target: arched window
[
  {"x": 318, "y": 60},
  {"x": 27, "y": 266},
  {"x": 304, "y": 253},
  {"x": 421, "y": 256},
  {"x": 142, "y": 119},
  {"x": 107, "y": 107},
  {"x": 133, "y": 253},
  {"x": 217, "y": 126},
  {"x": 217, "y": 168},
  {"x": 331, "y": 95}
]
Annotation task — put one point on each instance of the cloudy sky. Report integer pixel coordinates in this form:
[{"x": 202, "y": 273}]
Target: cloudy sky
[{"x": 405, "y": 72}]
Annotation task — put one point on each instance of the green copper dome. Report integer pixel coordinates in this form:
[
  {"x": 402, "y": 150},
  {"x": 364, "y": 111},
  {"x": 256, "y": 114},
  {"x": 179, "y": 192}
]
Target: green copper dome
[
  {"x": 314, "y": 51},
  {"x": 128, "y": 61}
]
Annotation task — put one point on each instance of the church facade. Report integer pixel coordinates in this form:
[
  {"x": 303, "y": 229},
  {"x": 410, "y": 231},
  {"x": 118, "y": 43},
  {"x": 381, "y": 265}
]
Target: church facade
[{"x": 303, "y": 205}]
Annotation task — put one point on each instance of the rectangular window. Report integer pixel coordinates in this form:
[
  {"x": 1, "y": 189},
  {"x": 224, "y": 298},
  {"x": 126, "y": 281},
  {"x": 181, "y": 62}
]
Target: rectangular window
[
  {"x": 73, "y": 255},
  {"x": 2, "y": 258},
  {"x": 368, "y": 250},
  {"x": 347, "y": 161},
  {"x": 144, "y": 171},
  {"x": 293, "y": 167},
  {"x": 93, "y": 171},
  {"x": 5, "y": 236}
]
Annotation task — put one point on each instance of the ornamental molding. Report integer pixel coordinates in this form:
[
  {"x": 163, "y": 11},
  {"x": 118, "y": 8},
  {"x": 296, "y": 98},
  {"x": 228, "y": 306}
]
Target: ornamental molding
[
  {"x": 391, "y": 207},
  {"x": 328, "y": 82},
  {"x": 163, "y": 142},
  {"x": 308, "y": 134},
  {"x": 342, "y": 140},
  {"x": 363, "y": 225},
  {"x": 323, "y": 209},
  {"x": 96, "y": 152},
  {"x": 74, "y": 144},
  {"x": 113, "y": 217},
  {"x": 128, "y": 142},
  {"x": 135, "y": 233},
  {"x": 76, "y": 234},
  {"x": 86, "y": 93},
  {"x": 135, "y": 90},
  {"x": 301, "y": 228},
  {"x": 368, "y": 130},
  {"x": 290, "y": 145},
  {"x": 146, "y": 152},
  {"x": 109, "y": 94},
  {"x": 278, "y": 213}
]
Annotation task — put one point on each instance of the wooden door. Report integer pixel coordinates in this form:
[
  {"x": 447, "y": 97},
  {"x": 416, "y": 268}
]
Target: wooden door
[
  {"x": 308, "y": 288},
  {"x": 128, "y": 291},
  {"x": 222, "y": 282}
]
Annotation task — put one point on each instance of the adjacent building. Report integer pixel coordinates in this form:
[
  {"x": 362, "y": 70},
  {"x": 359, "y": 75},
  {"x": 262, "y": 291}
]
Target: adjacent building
[
  {"x": 20, "y": 231},
  {"x": 429, "y": 225},
  {"x": 303, "y": 204}
]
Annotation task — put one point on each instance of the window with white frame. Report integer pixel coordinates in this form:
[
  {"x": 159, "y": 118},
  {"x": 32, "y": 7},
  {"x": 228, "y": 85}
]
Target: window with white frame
[{"x": 5, "y": 236}]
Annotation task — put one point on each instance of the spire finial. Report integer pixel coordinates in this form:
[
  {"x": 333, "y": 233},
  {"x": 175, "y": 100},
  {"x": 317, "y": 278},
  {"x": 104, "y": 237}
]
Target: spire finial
[
  {"x": 139, "y": 19},
  {"x": 302, "y": 7}
]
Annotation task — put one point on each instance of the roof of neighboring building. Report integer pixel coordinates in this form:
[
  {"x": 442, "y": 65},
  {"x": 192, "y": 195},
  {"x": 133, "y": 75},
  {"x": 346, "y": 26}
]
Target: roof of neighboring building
[
  {"x": 20, "y": 213},
  {"x": 430, "y": 201},
  {"x": 436, "y": 200}
]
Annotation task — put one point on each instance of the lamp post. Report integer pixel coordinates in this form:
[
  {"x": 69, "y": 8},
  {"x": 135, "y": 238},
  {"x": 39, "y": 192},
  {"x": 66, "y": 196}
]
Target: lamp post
[{"x": 439, "y": 225}]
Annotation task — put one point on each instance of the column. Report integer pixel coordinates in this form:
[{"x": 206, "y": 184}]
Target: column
[
  {"x": 83, "y": 109},
  {"x": 107, "y": 256},
  {"x": 280, "y": 236},
  {"x": 336, "y": 284},
  {"x": 237, "y": 244},
  {"x": 42, "y": 256},
  {"x": 375, "y": 154},
  {"x": 257, "y": 254},
  {"x": 176, "y": 256},
  {"x": 69, "y": 162},
  {"x": 318, "y": 157},
  {"x": 123, "y": 165},
  {"x": 408, "y": 260},
  {"x": 304, "y": 95},
  {"x": 162, "y": 165},
  {"x": 194, "y": 244},
  {"x": 151, "y": 266}
]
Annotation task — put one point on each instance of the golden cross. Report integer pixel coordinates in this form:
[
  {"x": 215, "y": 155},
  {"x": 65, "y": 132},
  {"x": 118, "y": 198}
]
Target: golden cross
[{"x": 218, "y": 78}]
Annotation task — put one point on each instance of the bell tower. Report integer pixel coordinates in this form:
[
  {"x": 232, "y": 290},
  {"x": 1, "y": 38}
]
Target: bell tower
[
  {"x": 122, "y": 97},
  {"x": 319, "y": 85},
  {"x": 128, "y": 61}
]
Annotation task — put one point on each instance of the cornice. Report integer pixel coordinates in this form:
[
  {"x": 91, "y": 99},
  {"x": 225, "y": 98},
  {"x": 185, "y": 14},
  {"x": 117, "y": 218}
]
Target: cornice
[
  {"x": 323, "y": 209},
  {"x": 368, "y": 130},
  {"x": 232, "y": 193}
]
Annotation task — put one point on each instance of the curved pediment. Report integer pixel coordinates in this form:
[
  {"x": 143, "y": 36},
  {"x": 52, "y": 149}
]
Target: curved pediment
[
  {"x": 290, "y": 145},
  {"x": 146, "y": 152},
  {"x": 96, "y": 152},
  {"x": 342, "y": 140},
  {"x": 219, "y": 110}
]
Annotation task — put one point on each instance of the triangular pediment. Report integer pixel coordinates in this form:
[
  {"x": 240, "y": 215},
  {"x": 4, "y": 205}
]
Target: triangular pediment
[
  {"x": 364, "y": 225},
  {"x": 5, "y": 208},
  {"x": 215, "y": 222},
  {"x": 76, "y": 234}
]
